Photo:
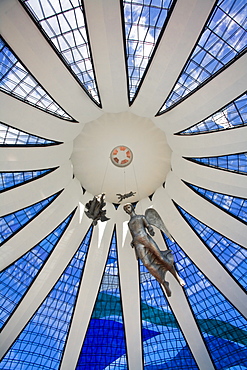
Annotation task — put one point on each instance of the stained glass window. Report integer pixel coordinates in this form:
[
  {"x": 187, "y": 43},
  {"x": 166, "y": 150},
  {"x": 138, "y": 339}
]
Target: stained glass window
[
  {"x": 41, "y": 343},
  {"x": 9, "y": 180},
  {"x": 143, "y": 23},
  {"x": 104, "y": 344},
  {"x": 232, "y": 162},
  {"x": 224, "y": 37},
  {"x": 12, "y": 136},
  {"x": 16, "y": 80},
  {"x": 164, "y": 345},
  {"x": 233, "y": 205},
  {"x": 232, "y": 115},
  {"x": 11, "y": 223},
  {"x": 63, "y": 22},
  {"x": 232, "y": 256},
  {"x": 222, "y": 326},
  {"x": 17, "y": 278}
]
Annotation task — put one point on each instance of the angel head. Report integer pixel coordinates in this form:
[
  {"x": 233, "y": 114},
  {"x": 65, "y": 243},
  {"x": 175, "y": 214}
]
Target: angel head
[{"x": 128, "y": 207}]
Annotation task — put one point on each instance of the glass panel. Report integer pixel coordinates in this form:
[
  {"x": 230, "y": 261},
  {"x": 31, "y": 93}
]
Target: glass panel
[
  {"x": 16, "y": 80},
  {"x": 41, "y": 343},
  {"x": 143, "y": 23},
  {"x": 12, "y": 136},
  {"x": 223, "y": 38},
  {"x": 64, "y": 24},
  {"x": 232, "y": 256},
  {"x": 233, "y": 205},
  {"x": 233, "y": 162},
  {"x": 222, "y": 326},
  {"x": 104, "y": 344},
  {"x": 232, "y": 115},
  {"x": 9, "y": 180},
  {"x": 18, "y": 277},
  {"x": 164, "y": 345},
  {"x": 11, "y": 223}
]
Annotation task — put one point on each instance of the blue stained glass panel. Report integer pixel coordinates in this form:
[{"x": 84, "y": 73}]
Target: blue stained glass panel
[
  {"x": 104, "y": 342},
  {"x": 16, "y": 80},
  {"x": 11, "y": 223},
  {"x": 41, "y": 343},
  {"x": 219, "y": 322},
  {"x": 232, "y": 115},
  {"x": 230, "y": 254},
  {"x": 233, "y": 205},
  {"x": 224, "y": 37},
  {"x": 11, "y": 179},
  {"x": 17, "y": 278},
  {"x": 232, "y": 162},
  {"x": 167, "y": 348},
  {"x": 143, "y": 23},
  {"x": 12, "y": 136}
]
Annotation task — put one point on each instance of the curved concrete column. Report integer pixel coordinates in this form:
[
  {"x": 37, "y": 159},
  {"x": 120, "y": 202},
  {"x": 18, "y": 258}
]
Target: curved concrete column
[
  {"x": 34, "y": 51},
  {"x": 211, "y": 144},
  {"x": 221, "y": 181},
  {"x": 90, "y": 284},
  {"x": 45, "y": 280},
  {"x": 34, "y": 191},
  {"x": 42, "y": 225},
  {"x": 193, "y": 246},
  {"x": 33, "y": 158},
  {"x": 173, "y": 50},
  {"x": 220, "y": 91},
  {"x": 108, "y": 52},
  {"x": 27, "y": 118}
]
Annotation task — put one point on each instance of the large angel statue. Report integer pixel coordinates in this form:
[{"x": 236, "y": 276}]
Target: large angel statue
[{"x": 156, "y": 261}]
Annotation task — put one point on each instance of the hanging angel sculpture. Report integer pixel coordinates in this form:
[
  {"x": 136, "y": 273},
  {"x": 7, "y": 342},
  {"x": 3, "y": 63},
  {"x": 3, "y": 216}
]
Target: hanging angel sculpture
[
  {"x": 95, "y": 209},
  {"x": 156, "y": 261}
]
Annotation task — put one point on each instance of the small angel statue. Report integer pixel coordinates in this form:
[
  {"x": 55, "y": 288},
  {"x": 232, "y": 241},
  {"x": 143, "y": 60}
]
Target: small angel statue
[
  {"x": 95, "y": 209},
  {"x": 156, "y": 261}
]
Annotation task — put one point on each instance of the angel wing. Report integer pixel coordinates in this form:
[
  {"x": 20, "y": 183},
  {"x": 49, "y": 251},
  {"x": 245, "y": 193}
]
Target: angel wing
[{"x": 154, "y": 219}]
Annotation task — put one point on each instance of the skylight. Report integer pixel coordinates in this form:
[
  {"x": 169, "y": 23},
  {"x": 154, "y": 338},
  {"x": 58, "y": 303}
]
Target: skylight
[
  {"x": 63, "y": 23},
  {"x": 143, "y": 22},
  {"x": 16, "y": 80},
  {"x": 223, "y": 39},
  {"x": 232, "y": 115}
]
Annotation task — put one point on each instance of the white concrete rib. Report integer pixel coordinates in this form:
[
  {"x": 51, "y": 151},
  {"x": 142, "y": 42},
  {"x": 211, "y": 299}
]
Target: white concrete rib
[
  {"x": 92, "y": 275},
  {"x": 35, "y": 121},
  {"x": 106, "y": 40},
  {"x": 211, "y": 144},
  {"x": 34, "y": 51},
  {"x": 34, "y": 158},
  {"x": 34, "y": 191},
  {"x": 210, "y": 178},
  {"x": 46, "y": 279},
  {"x": 178, "y": 301},
  {"x": 191, "y": 244},
  {"x": 42, "y": 225},
  {"x": 130, "y": 292},
  {"x": 207, "y": 213},
  {"x": 173, "y": 50},
  {"x": 219, "y": 91},
  {"x": 187, "y": 323}
]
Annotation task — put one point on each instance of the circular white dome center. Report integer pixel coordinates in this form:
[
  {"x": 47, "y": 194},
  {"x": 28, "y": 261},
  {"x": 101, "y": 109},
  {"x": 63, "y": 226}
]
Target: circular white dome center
[{"x": 121, "y": 154}]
